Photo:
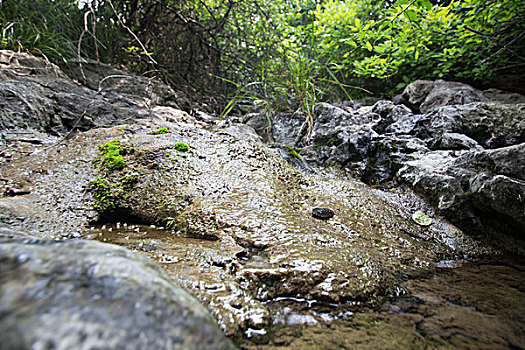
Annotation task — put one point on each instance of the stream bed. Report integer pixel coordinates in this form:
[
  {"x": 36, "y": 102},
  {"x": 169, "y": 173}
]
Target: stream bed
[{"x": 462, "y": 304}]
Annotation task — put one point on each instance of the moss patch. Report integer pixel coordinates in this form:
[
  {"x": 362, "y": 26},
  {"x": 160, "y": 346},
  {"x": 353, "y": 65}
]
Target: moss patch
[
  {"x": 109, "y": 195},
  {"x": 111, "y": 155},
  {"x": 104, "y": 196},
  {"x": 160, "y": 131},
  {"x": 181, "y": 147},
  {"x": 109, "y": 190}
]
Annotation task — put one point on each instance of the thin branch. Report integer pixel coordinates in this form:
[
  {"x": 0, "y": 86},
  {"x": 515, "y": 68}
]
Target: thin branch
[
  {"x": 503, "y": 47},
  {"x": 131, "y": 32}
]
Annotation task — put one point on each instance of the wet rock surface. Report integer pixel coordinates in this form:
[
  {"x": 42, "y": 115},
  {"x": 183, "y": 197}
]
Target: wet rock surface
[
  {"x": 248, "y": 212},
  {"x": 461, "y": 149},
  {"x": 230, "y": 218},
  {"x": 86, "y": 294},
  {"x": 449, "y": 309}
]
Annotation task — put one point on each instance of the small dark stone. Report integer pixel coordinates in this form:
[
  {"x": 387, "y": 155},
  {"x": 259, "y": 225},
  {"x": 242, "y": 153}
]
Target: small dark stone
[
  {"x": 11, "y": 192},
  {"x": 322, "y": 213}
]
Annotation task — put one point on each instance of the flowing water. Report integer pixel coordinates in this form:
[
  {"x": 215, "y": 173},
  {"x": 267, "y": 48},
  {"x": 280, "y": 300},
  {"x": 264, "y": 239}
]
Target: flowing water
[{"x": 461, "y": 305}]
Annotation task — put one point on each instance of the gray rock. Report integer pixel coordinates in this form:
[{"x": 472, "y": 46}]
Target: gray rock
[
  {"x": 390, "y": 113},
  {"x": 86, "y": 295},
  {"x": 415, "y": 94},
  {"x": 36, "y": 96},
  {"x": 491, "y": 125},
  {"x": 479, "y": 191},
  {"x": 404, "y": 124},
  {"x": 499, "y": 96},
  {"x": 455, "y": 141},
  {"x": 259, "y": 122},
  {"x": 226, "y": 198},
  {"x": 288, "y": 128},
  {"x": 241, "y": 132},
  {"x": 425, "y": 96},
  {"x": 96, "y": 75}
]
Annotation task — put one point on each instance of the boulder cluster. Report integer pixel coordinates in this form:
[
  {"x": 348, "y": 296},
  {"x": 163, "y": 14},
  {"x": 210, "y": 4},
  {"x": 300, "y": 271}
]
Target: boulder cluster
[{"x": 461, "y": 148}]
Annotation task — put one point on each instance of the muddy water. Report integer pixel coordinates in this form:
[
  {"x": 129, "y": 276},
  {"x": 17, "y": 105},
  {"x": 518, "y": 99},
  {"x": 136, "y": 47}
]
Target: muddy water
[
  {"x": 461, "y": 305},
  {"x": 478, "y": 305}
]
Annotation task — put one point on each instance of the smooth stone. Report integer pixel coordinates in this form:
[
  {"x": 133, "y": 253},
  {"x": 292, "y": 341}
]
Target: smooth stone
[{"x": 322, "y": 213}]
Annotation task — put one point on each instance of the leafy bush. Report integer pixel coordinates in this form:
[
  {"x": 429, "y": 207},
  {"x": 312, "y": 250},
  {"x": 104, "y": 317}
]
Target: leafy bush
[
  {"x": 466, "y": 40},
  {"x": 294, "y": 51}
]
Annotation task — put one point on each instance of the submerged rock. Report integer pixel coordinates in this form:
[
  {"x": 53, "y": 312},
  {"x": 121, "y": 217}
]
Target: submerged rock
[{"x": 86, "y": 294}]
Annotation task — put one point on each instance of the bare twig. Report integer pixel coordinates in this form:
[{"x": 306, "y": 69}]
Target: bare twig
[
  {"x": 503, "y": 47},
  {"x": 132, "y": 34}
]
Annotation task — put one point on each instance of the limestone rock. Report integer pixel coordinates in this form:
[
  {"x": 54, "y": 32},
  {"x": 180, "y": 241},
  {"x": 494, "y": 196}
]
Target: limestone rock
[
  {"x": 425, "y": 96},
  {"x": 490, "y": 125},
  {"x": 86, "y": 294}
]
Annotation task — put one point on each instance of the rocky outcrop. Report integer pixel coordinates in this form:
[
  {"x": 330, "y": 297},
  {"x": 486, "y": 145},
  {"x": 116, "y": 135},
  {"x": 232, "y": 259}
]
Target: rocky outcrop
[
  {"x": 425, "y": 96},
  {"x": 228, "y": 218},
  {"x": 37, "y": 97},
  {"x": 86, "y": 294},
  {"x": 462, "y": 150},
  {"x": 234, "y": 221}
]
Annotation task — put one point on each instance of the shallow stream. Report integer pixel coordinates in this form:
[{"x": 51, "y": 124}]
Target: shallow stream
[{"x": 461, "y": 305}]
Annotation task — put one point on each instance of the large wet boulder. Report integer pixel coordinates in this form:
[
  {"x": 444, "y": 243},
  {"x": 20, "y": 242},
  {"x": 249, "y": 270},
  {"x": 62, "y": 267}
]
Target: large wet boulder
[
  {"x": 86, "y": 295},
  {"x": 236, "y": 218}
]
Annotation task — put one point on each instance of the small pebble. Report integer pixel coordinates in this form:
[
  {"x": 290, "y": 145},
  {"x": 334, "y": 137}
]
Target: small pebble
[{"x": 322, "y": 213}]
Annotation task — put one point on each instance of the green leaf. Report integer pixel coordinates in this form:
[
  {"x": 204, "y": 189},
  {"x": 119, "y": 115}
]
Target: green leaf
[
  {"x": 421, "y": 219},
  {"x": 410, "y": 15},
  {"x": 369, "y": 46},
  {"x": 426, "y": 4}
]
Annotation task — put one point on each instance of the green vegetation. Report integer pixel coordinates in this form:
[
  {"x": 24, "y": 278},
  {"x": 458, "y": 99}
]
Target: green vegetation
[
  {"x": 181, "y": 147},
  {"x": 103, "y": 194},
  {"x": 160, "y": 131},
  {"x": 294, "y": 153},
  {"x": 110, "y": 155},
  {"x": 284, "y": 54},
  {"x": 109, "y": 192}
]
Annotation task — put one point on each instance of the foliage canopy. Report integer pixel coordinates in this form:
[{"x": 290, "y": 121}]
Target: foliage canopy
[{"x": 283, "y": 51}]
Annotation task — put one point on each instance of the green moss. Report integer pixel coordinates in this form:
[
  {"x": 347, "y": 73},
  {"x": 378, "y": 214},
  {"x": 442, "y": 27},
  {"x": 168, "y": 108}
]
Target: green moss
[
  {"x": 181, "y": 147},
  {"x": 109, "y": 190},
  {"x": 108, "y": 195},
  {"x": 110, "y": 155},
  {"x": 126, "y": 182},
  {"x": 169, "y": 223},
  {"x": 294, "y": 153},
  {"x": 160, "y": 131},
  {"x": 173, "y": 160},
  {"x": 104, "y": 196}
]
